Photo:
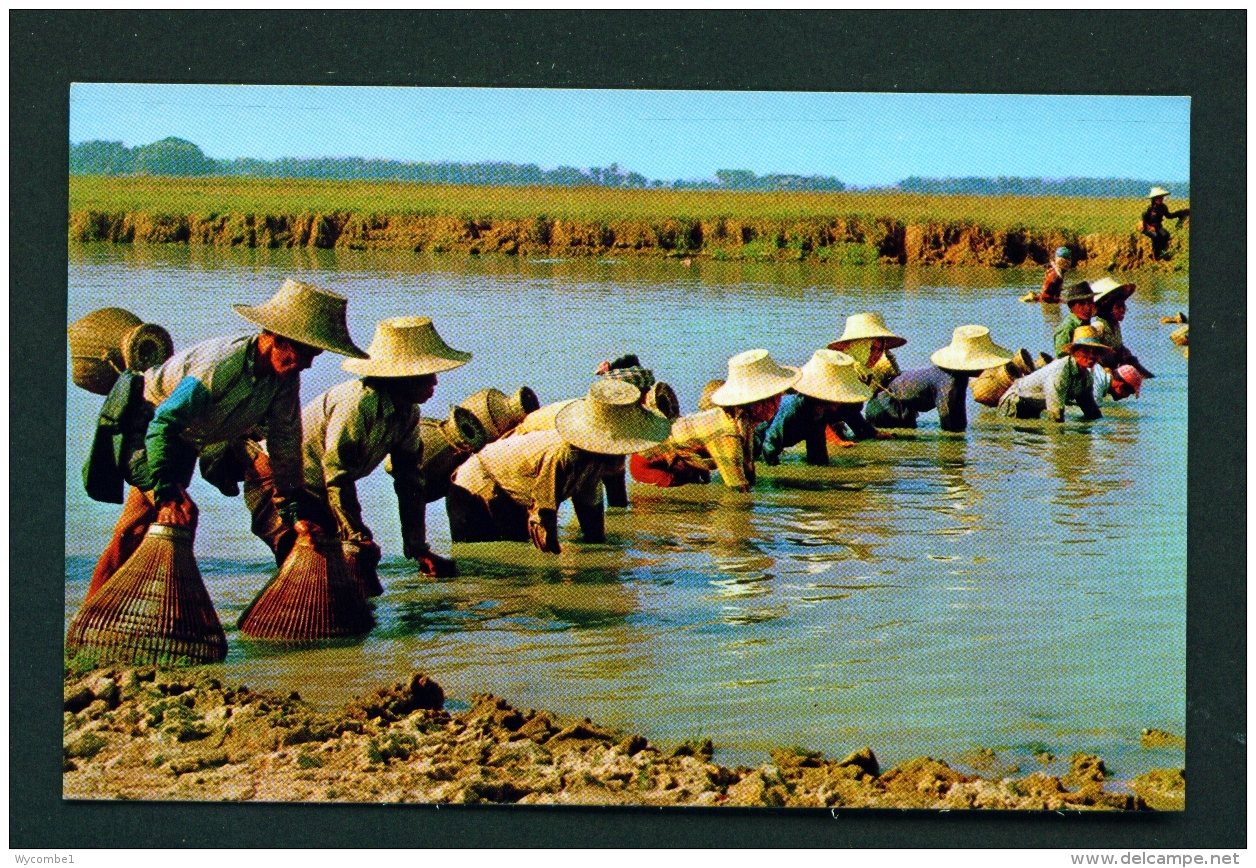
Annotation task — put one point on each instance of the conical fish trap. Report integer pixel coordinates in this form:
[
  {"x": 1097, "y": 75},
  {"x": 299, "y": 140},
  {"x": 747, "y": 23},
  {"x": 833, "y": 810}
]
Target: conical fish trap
[
  {"x": 363, "y": 566},
  {"x": 662, "y": 397},
  {"x": 446, "y": 444},
  {"x": 154, "y": 609},
  {"x": 313, "y": 596},
  {"x": 111, "y": 340},
  {"x": 989, "y": 386},
  {"x": 498, "y": 413},
  {"x": 1022, "y": 362}
]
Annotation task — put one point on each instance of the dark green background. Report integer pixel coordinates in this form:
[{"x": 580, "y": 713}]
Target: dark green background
[{"x": 1202, "y": 55}]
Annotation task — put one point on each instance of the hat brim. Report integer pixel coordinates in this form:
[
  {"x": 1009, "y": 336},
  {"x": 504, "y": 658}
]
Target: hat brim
[
  {"x": 419, "y": 367},
  {"x": 644, "y": 429},
  {"x": 1105, "y": 351},
  {"x": 734, "y": 394},
  {"x": 824, "y": 389},
  {"x": 892, "y": 341},
  {"x": 1122, "y": 292},
  {"x": 979, "y": 361},
  {"x": 259, "y": 317}
]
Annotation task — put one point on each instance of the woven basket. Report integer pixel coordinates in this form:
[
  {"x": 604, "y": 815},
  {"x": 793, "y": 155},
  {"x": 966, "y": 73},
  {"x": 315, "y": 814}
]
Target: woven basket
[
  {"x": 154, "y": 609},
  {"x": 111, "y": 340},
  {"x": 1181, "y": 336},
  {"x": 313, "y": 596},
  {"x": 1022, "y": 362},
  {"x": 446, "y": 444},
  {"x": 499, "y": 413},
  {"x": 989, "y": 386}
]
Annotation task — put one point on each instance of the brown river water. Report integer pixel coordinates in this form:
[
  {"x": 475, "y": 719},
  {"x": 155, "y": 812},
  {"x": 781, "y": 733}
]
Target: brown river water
[{"x": 1020, "y": 587}]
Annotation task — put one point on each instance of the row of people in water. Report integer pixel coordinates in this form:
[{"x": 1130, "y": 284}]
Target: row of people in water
[{"x": 232, "y": 405}]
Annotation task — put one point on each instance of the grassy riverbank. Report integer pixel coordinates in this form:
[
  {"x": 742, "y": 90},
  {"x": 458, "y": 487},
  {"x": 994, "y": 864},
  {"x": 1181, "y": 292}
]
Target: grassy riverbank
[
  {"x": 146, "y": 734},
  {"x": 853, "y": 228}
]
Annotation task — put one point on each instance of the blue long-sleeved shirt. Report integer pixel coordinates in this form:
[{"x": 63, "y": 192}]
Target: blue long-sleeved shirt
[
  {"x": 925, "y": 389},
  {"x": 796, "y": 421}
]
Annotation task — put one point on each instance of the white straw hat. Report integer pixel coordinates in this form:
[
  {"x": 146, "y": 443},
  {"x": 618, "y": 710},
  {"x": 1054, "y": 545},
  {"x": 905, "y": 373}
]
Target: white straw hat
[
  {"x": 1105, "y": 287},
  {"x": 304, "y": 313},
  {"x": 1156, "y": 192},
  {"x": 611, "y": 421},
  {"x": 406, "y": 346},
  {"x": 753, "y": 376},
  {"x": 830, "y": 376},
  {"x": 971, "y": 349},
  {"x": 863, "y": 326}
]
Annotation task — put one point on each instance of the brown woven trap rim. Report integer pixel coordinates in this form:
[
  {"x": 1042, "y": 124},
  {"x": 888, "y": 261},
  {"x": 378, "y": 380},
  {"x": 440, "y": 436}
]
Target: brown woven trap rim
[
  {"x": 364, "y": 570},
  {"x": 154, "y": 609},
  {"x": 446, "y": 444},
  {"x": 313, "y": 596}
]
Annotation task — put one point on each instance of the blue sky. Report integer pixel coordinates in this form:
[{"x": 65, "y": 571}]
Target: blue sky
[{"x": 861, "y": 138}]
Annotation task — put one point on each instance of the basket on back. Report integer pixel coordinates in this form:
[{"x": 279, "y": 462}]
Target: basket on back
[
  {"x": 154, "y": 609},
  {"x": 499, "y": 413},
  {"x": 313, "y": 596},
  {"x": 446, "y": 444},
  {"x": 111, "y": 340},
  {"x": 988, "y": 386},
  {"x": 662, "y": 397}
]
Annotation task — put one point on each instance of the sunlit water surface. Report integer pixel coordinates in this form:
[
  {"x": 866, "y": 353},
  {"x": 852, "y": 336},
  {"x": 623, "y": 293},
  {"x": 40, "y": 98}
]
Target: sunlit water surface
[{"x": 1021, "y": 587}]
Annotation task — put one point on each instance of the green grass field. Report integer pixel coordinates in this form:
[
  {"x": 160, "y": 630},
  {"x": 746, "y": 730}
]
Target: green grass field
[{"x": 203, "y": 196}]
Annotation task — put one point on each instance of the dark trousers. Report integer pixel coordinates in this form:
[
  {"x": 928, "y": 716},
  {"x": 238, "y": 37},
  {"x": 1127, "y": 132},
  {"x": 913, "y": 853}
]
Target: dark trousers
[
  {"x": 472, "y": 519},
  {"x": 1159, "y": 240}
]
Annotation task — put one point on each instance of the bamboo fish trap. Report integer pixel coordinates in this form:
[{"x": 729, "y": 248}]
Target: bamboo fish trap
[
  {"x": 363, "y": 569},
  {"x": 313, "y": 596},
  {"x": 662, "y": 397},
  {"x": 446, "y": 444},
  {"x": 988, "y": 386},
  {"x": 111, "y": 340},
  {"x": 154, "y": 609},
  {"x": 498, "y": 413}
]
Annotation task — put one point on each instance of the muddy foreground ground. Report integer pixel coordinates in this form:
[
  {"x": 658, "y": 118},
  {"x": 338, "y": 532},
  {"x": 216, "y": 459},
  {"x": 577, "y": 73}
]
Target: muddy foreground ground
[{"x": 146, "y": 734}]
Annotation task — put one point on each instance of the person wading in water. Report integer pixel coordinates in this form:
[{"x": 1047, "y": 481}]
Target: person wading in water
[{"x": 1152, "y": 222}]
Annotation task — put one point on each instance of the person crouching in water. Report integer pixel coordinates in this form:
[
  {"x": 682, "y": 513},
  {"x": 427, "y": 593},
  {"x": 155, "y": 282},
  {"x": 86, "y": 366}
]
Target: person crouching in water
[
  {"x": 1067, "y": 380},
  {"x": 512, "y": 488},
  {"x": 942, "y": 386},
  {"x": 828, "y": 382},
  {"x": 1110, "y": 299},
  {"x": 207, "y": 400},
  {"x": 349, "y": 429},
  {"x": 1080, "y": 299},
  {"x": 722, "y": 438},
  {"x": 1117, "y": 384}
]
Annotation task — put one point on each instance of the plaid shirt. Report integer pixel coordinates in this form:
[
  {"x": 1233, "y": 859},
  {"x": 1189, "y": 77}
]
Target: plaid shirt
[
  {"x": 714, "y": 440},
  {"x": 213, "y": 393},
  {"x": 537, "y": 471},
  {"x": 642, "y": 378},
  {"x": 349, "y": 429}
]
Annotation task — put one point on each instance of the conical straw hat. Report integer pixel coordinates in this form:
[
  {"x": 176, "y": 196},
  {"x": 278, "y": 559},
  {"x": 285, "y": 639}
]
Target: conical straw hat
[
  {"x": 406, "y": 346},
  {"x": 1088, "y": 336},
  {"x": 753, "y": 376},
  {"x": 154, "y": 609},
  {"x": 611, "y": 421},
  {"x": 1156, "y": 192},
  {"x": 862, "y": 326},
  {"x": 830, "y": 376},
  {"x": 971, "y": 349},
  {"x": 1105, "y": 288},
  {"x": 304, "y": 313},
  {"x": 313, "y": 596}
]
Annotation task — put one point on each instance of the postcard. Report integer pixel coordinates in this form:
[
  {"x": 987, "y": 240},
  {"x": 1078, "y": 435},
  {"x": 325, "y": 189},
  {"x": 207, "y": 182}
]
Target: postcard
[{"x": 451, "y": 445}]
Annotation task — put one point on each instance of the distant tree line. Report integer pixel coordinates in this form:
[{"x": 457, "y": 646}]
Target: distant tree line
[{"x": 178, "y": 157}]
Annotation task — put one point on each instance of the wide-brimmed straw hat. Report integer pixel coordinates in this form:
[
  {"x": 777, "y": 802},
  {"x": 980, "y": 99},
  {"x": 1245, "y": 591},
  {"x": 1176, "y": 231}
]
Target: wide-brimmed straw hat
[
  {"x": 406, "y": 346},
  {"x": 1132, "y": 378},
  {"x": 863, "y": 326},
  {"x": 830, "y": 376},
  {"x": 971, "y": 349},
  {"x": 1078, "y": 292},
  {"x": 611, "y": 421},
  {"x": 753, "y": 376},
  {"x": 1157, "y": 192},
  {"x": 1088, "y": 336},
  {"x": 306, "y": 314},
  {"x": 1108, "y": 290}
]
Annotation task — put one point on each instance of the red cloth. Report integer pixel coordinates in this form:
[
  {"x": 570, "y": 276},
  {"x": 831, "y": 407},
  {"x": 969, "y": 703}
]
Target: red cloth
[
  {"x": 1052, "y": 285},
  {"x": 137, "y": 514},
  {"x": 651, "y": 474}
]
